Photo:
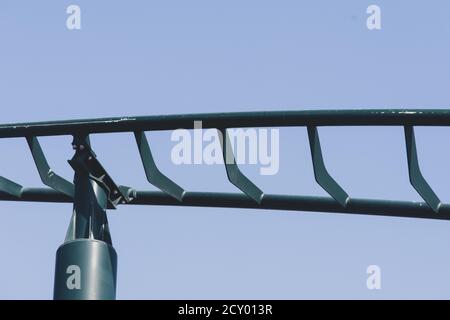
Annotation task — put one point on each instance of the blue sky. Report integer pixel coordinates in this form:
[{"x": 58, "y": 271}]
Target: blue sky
[{"x": 169, "y": 57}]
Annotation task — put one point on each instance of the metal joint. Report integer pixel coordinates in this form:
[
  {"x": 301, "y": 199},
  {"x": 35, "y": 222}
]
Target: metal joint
[{"x": 86, "y": 161}]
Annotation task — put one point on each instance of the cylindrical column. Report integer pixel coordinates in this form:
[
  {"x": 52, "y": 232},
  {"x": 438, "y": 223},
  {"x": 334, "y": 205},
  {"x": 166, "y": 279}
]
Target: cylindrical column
[
  {"x": 86, "y": 269},
  {"x": 86, "y": 264}
]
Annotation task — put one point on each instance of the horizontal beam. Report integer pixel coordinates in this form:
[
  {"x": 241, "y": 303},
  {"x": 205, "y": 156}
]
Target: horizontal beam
[
  {"x": 369, "y": 117},
  {"x": 405, "y": 209}
]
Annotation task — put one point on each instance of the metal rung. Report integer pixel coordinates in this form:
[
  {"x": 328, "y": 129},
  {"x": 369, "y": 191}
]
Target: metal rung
[
  {"x": 415, "y": 175},
  {"x": 321, "y": 174},
  {"x": 10, "y": 187},
  {"x": 154, "y": 176},
  {"x": 48, "y": 177},
  {"x": 63, "y": 190},
  {"x": 235, "y": 176}
]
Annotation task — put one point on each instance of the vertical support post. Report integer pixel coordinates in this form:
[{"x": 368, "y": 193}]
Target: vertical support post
[{"x": 86, "y": 264}]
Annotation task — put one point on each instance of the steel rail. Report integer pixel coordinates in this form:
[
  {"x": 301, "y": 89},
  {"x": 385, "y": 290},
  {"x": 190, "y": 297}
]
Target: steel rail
[
  {"x": 88, "y": 242},
  {"x": 251, "y": 197},
  {"x": 405, "y": 209},
  {"x": 363, "y": 117}
]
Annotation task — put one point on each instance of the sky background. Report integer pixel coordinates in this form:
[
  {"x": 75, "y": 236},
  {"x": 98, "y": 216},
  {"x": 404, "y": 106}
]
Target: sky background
[{"x": 170, "y": 57}]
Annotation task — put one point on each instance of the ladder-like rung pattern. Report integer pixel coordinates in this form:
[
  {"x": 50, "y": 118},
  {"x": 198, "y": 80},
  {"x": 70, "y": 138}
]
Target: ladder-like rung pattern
[{"x": 171, "y": 193}]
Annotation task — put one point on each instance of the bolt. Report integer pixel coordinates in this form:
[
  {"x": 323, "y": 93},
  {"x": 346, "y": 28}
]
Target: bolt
[{"x": 81, "y": 147}]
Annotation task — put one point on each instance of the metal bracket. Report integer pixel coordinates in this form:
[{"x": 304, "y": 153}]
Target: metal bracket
[
  {"x": 86, "y": 160},
  {"x": 235, "y": 176},
  {"x": 48, "y": 177},
  {"x": 321, "y": 174},
  {"x": 415, "y": 175},
  {"x": 154, "y": 176}
]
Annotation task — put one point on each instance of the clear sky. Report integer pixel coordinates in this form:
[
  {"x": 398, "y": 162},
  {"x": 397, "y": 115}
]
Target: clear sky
[{"x": 168, "y": 57}]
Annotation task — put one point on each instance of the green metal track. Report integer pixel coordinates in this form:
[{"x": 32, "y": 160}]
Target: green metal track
[{"x": 172, "y": 194}]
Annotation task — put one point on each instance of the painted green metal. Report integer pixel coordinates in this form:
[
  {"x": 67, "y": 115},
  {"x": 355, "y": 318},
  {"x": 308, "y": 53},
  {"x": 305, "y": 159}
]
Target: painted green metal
[
  {"x": 362, "y": 117},
  {"x": 85, "y": 160},
  {"x": 415, "y": 175},
  {"x": 154, "y": 176},
  {"x": 10, "y": 187},
  {"x": 89, "y": 218},
  {"x": 48, "y": 177},
  {"x": 373, "y": 207},
  {"x": 321, "y": 174},
  {"x": 86, "y": 264},
  {"x": 235, "y": 176},
  {"x": 85, "y": 270},
  {"x": 80, "y": 129}
]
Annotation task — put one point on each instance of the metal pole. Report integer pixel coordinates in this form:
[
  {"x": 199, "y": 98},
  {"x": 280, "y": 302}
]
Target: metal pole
[{"x": 86, "y": 264}]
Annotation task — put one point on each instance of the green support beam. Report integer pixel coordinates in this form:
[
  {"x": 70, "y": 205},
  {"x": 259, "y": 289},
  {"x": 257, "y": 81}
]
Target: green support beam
[{"x": 86, "y": 263}]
